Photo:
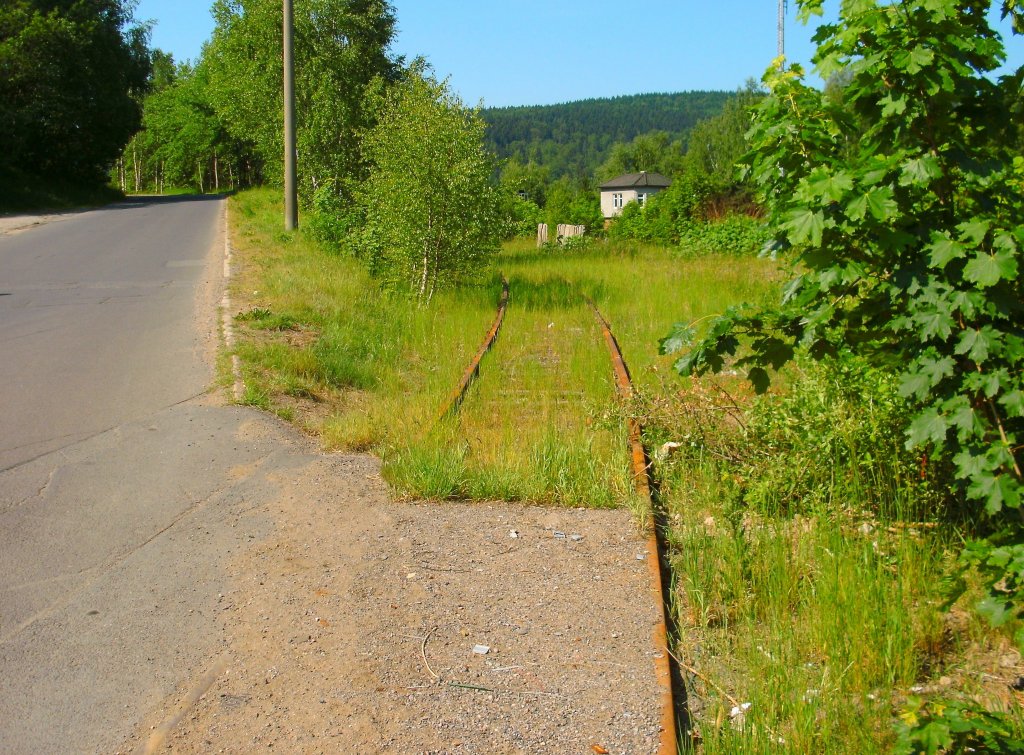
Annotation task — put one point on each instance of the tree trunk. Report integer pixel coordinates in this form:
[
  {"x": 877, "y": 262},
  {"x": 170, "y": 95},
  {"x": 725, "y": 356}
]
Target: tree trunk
[
  {"x": 216, "y": 173},
  {"x": 199, "y": 165},
  {"x": 423, "y": 278},
  {"x": 136, "y": 172}
]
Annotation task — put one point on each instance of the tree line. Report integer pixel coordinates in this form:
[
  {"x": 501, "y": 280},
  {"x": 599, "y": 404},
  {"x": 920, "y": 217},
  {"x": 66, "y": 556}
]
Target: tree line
[
  {"x": 72, "y": 75},
  {"x": 700, "y": 161},
  {"x": 572, "y": 139}
]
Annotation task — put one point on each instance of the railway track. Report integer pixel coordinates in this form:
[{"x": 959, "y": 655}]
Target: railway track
[{"x": 640, "y": 467}]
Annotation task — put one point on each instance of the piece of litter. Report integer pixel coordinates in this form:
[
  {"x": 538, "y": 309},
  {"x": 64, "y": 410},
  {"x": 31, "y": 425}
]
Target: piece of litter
[
  {"x": 513, "y": 534},
  {"x": 599, "y": 750},
  {"x": 481, "y": 649},
  {"x": 667, "y": 450},
  {"x": 577, "y": 538},
  {"x": 739, "y": 709},
  {"x": 411, "y": 575},
  {"x": 640, "y": 556},
  {"x": 560, "y": 535}
]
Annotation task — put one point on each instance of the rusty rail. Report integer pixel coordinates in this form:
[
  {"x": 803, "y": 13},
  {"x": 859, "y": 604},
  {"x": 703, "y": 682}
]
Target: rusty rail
[
  {"x": 668, "y": 744},
  {"x": 641, "y": 480},
  {"x": 455, "y": 399}
]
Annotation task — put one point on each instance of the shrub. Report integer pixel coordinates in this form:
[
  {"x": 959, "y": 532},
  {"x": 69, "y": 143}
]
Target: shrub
[{"x": 734, "y": 234}]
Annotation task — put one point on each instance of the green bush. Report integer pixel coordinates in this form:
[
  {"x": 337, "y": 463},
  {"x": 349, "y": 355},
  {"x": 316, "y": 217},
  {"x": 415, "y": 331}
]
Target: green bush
[
  {"x": 835, "y": 433},
  {"x": 734, "y": 234},
  {"x": 519, "y": 217},
  {"x": 332, "y": 218},
  {"x": 660, "y": 220}
]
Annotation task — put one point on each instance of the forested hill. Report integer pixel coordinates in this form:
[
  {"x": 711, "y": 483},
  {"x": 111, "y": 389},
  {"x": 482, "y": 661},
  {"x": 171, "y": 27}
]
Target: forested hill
[{"x": 574, "y": 138}]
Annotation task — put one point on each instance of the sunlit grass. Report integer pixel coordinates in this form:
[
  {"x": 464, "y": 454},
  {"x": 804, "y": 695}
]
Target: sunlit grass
[
  {"x": 367, "y": 370},
  {"x": 801, "y": 581}
]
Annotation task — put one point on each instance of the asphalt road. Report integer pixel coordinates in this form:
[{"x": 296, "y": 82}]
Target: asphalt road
[
  {"x": 96, "y": 320},
  {"x": 120, "y": 484}
]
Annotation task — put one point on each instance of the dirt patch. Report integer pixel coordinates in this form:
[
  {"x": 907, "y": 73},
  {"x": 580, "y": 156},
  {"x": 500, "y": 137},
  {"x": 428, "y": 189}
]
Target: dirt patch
[
  {"x": 360, "y": 625},
  {"x": 12, "y": 224}
]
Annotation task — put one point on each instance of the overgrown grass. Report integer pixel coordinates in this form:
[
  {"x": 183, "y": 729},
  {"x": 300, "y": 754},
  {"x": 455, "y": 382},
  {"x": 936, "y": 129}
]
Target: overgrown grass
[
  {"x": 809, "y": 550},
  {"x": 368, "y": 370},
  {"x": 807, "y": 547},
  {"x": 319, "y": 338}
]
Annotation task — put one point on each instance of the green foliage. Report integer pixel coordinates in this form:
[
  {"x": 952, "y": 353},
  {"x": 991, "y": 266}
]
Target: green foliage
[
  {"x": 519, "y": 215},
  {"x": 527, "y": 180},
  {"x": 340, "y": 47},
  {"x": 903, "y": 210},
  {"x": 717, "y": 144},
  {"x": 573, "y": 139},
  {"x": 668, "y": 215},
  {"x": 811, "y": 591},
  {"x": 654, "y": 152},
  {"x": 182, "y": 142},
  {"x": 70, "y": 73},
  {"x": 332, "y": 220},
  {"x": 834, "y": 434},
  {"x": 999, "y": 560},
  {"x": 677, "y": 216},
  {"x": 733, "y": 234},
  {"x": 938, "y": 726},
  {"x": 431, "y": 207},
  {"x": 574, "y": 203}
]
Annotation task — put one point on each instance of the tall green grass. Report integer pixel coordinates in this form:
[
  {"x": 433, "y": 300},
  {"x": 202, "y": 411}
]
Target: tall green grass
[
  {"x": 314, "y": 326},
  {"x": 542, "y": 424},
  {"x": 804, "y": 581},
  {"x": 809, "y": 553}
]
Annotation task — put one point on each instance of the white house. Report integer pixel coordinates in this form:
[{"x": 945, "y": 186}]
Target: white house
[{"x": 630, "y": 187}]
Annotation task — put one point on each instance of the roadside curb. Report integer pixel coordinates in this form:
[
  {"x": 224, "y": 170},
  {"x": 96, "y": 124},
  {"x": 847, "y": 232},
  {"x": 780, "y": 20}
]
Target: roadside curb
[{"x": 227, "y": 328}]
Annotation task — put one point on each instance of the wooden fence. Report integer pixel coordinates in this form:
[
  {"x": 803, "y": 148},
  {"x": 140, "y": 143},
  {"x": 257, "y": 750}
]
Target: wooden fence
[{"x": 563, "y": 231}]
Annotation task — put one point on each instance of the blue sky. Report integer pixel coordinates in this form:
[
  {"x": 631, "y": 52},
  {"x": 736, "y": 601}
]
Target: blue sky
[{"x": 547, "y": 51}]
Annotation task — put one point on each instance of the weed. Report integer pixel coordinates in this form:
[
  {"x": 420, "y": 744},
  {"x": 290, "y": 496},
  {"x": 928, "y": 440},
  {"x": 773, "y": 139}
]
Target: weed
[{"x": 804, "y": 582}]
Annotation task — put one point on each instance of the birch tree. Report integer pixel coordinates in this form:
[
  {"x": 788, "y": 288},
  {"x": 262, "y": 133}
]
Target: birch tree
[
  {"x": 340, "y": 47},
  {"x": 430, "y": 202}
]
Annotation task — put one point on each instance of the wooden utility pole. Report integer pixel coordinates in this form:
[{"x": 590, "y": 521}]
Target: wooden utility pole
[
  {"x": 782, "y": 27},
  {"x": 291, "y": 208}
]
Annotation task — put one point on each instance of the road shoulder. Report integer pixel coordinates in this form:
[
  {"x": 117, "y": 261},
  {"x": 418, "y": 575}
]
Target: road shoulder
[{"x": 363, "y": 621}]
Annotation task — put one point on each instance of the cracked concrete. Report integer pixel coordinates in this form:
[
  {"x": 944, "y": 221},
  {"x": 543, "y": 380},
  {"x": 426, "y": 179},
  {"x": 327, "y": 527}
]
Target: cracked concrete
[
  {"x": 112, "y": 568},
  {"x": 156, "y": 546},
  {"x": 115, "y": 481}
]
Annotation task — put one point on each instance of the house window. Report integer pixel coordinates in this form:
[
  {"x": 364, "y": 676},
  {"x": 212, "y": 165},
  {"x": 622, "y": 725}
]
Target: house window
[
  {"x": 641, "y": 198},
  {"x": 617, "y": 201}
]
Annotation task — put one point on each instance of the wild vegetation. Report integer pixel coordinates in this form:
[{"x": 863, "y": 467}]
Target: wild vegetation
[
  {"x": 213, "y": 123},
  {"x": 807, "y": 549},
  {"x": 900, "y": 206},
  {"x": 429, "y": 203},
  {"x": 70, "y": 78},
  {"x": 841, "y": 501},
  {"x": 815, "y": 526},
  {"x": 572, "y": 139}
]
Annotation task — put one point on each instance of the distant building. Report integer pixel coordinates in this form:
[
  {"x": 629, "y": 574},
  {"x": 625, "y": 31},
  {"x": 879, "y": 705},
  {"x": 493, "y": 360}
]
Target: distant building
[{"x": 630, "y": 187}]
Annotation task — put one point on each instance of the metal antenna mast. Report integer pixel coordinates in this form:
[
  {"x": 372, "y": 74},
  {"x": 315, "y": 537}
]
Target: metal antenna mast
[{"x": 783, "y": 6}]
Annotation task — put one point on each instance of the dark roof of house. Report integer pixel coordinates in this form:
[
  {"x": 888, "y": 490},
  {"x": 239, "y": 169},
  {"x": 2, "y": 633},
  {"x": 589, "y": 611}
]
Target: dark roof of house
[{"x": 635, "y": 180}]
